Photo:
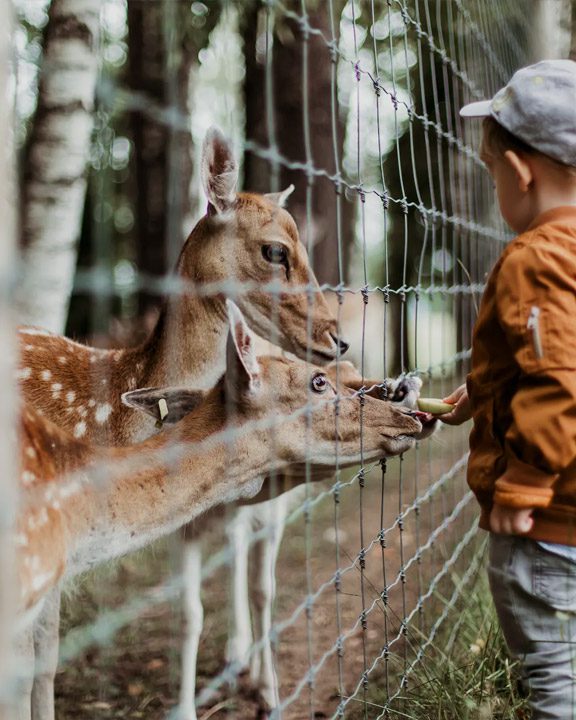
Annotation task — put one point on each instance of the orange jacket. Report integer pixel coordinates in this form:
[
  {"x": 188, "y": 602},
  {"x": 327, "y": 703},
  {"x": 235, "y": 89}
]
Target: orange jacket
[{"x": 522, "y": 386}]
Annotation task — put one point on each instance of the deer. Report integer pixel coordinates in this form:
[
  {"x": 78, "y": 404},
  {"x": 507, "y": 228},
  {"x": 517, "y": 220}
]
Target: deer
[
  {"x": 84, "y": 504},
  {"x": 245, "y": 244}
]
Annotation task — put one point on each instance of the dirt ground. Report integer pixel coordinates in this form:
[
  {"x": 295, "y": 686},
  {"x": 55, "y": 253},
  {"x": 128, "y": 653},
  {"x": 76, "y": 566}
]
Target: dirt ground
[{"x": 135, "y": 673}]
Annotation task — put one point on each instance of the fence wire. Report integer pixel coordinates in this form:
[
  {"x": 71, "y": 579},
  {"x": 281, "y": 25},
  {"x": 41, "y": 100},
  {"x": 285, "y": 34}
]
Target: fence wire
[{"x": 377, "y": 561}]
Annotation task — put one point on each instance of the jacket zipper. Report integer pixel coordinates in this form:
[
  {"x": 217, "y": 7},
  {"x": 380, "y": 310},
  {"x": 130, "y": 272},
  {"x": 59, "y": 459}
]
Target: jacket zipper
[{"x": 534, "y": 326}]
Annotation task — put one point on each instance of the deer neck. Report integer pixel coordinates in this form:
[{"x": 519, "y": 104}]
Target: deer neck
[
  {"x": 179, "y": 476},
  {"x": 188, "y": 344}
]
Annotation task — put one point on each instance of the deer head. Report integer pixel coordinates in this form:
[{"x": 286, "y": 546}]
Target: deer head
[
  {"x": 301, "y": 414},
  {"x": 250, "y": 240}
]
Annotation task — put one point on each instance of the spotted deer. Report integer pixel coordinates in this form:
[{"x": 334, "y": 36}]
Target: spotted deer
[
  {"x": 83, "y": 504},
  {"x": 245, "y": 244}
]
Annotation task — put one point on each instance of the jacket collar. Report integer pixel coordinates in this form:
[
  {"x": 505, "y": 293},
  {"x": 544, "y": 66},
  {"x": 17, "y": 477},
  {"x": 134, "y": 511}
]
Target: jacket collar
[{"x": 565, "y": 213}]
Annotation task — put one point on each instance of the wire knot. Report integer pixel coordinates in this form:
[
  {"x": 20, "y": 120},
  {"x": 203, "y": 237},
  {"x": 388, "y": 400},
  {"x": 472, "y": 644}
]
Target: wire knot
[{"x": 382, "y": 538}]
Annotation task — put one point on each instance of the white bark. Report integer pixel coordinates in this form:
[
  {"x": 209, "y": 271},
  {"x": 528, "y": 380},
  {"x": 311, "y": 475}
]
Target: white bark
[
  {"x": 550, "y": 22},
  {"x": 55, "y": 173},
  {"x": 7, "y": 343}
]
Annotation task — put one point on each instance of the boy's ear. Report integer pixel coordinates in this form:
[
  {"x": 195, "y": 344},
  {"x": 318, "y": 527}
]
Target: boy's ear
[
  {"x": 522, "y": 169},
  {"x": 165, "y": 405},
  {"x": 242, "y": 368}
]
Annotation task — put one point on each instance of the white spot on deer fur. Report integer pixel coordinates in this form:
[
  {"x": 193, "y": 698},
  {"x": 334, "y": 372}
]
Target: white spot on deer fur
[
  {"x": 81, "y": 410},
  {"x": 46, "y": 375},
  {"x": 93, "y": 358},
  {"x": 55, "y": 505},
  {"x": 21, "y": 540},
  {"x": 56, "y": 388},
  {"x": 91, "y": 402},
  {"x": 29, "y": 347},
  {"x": 30, "y": 451},
  {"x": 24, "y": 373},
  {"x": 70, "y": 396},
  {"x": 105, "y": 381},
  {"x": 80, "y": 429},
  {"x": 28, "y": 477},
  {"x": 102, "y": 413},
  {"x": 62, "y": 360},
  {"x": 117, "y": 355},
  {"x": 39, "y": 520}
]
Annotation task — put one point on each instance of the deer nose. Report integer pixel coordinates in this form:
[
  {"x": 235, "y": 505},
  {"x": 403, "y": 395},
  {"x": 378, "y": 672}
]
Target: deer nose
[{"x": 341, "y": 344}]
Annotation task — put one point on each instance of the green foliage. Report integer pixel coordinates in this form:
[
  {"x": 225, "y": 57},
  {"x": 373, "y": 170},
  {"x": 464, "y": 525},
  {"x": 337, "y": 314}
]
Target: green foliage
[{"x": 465, "y": 674}]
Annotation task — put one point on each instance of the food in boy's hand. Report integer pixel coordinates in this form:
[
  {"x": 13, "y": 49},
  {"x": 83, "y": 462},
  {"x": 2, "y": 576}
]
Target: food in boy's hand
[{"x": 434, "y": 406}]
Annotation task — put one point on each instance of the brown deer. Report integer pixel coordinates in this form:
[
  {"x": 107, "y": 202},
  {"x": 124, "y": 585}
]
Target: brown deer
[
  {"x": 83, "y": 505},
  {"x": 246, "y": 245}
]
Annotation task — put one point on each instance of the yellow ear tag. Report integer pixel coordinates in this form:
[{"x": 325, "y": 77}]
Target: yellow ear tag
[{"x": 163, "y": 410}]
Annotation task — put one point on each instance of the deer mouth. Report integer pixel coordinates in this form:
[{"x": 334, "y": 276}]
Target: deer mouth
[{"x": 321, "y": 355}]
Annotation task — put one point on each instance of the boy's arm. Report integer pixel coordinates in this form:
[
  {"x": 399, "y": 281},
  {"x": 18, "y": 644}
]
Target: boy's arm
[{"x": 536, "y": 297}]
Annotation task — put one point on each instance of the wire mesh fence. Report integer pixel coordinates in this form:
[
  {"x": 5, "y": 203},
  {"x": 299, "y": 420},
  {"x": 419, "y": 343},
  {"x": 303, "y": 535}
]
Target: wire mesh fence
[{"x": 356, "y": 103}]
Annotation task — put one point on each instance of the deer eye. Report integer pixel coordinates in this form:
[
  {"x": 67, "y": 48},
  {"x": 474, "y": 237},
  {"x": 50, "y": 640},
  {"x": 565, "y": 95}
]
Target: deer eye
[
  {"x": 319, "y": 383},
  {"x": 276, "y": 254}
]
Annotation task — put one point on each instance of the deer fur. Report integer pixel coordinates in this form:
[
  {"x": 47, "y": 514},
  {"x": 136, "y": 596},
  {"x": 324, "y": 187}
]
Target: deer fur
[{"x": 84, "y": 504}]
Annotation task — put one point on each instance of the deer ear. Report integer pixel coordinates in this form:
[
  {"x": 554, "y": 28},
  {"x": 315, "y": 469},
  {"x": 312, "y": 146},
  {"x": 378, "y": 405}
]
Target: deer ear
[
  {"x": 165, "y": 405},
  {"x": 242, "y": 368},
  {"x": 280, "y": 198},
  {"x": 219, "y": 171}
]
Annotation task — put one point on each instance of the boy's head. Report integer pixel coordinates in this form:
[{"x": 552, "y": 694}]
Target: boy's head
[{"x": 529, "y": 140}]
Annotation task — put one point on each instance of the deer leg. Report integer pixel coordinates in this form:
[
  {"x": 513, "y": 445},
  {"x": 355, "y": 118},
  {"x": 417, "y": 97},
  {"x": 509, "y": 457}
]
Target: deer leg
[
  {"x": 263, "y": 591},
  {"x": 238, "y": 647},
  {"x": 194, "y": 619},
  {"x": 46, "y": 639},
  {"x": 24, "y": 675}
]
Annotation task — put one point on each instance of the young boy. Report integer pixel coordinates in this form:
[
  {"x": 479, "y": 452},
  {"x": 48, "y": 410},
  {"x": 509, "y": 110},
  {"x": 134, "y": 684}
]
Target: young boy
[{"x": 521, "y": 392}]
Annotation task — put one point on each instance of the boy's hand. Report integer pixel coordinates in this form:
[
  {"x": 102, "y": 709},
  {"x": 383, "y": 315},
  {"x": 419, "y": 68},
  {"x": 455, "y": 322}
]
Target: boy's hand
[
  {"x": 461, "y": 412},
  {"x": 511, "y": 521}
]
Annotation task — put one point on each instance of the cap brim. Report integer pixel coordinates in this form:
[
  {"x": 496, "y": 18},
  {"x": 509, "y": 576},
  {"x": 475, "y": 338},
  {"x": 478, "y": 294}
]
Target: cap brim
[{"x": 477, "y": 109}]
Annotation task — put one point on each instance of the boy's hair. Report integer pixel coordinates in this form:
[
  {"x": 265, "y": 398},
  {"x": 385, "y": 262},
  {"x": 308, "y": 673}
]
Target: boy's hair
[{"x": 496, "y": 140}]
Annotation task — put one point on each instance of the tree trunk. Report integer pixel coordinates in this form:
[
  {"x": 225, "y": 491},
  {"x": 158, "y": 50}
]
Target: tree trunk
[
  {"x": 550, "y": 22},
  {"x": 163, "y": 50},
  {"x": 318, "y": 229},
  {"x": 54, "y": 176},
  {"x": 572, "y": 53}
]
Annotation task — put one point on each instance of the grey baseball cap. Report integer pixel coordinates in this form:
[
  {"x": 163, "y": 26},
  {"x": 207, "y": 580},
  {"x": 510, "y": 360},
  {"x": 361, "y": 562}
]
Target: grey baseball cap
[{"x": 538, "y": 106}]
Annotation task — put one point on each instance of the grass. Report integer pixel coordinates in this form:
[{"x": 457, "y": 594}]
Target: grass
[{"x": 464, "y": 674}]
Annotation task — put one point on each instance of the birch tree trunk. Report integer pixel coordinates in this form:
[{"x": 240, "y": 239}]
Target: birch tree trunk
[
  {"x": 54, "y": 175},
  {"x": 550, "y": 24}
]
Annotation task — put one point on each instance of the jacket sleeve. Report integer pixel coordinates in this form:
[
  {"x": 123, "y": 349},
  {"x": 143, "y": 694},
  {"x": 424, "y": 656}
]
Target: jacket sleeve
[{"x": 536, "y": 298}]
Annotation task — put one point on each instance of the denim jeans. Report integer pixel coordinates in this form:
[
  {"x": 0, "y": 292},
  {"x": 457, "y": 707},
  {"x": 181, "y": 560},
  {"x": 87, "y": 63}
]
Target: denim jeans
[{"x": 535, "y": 596}]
